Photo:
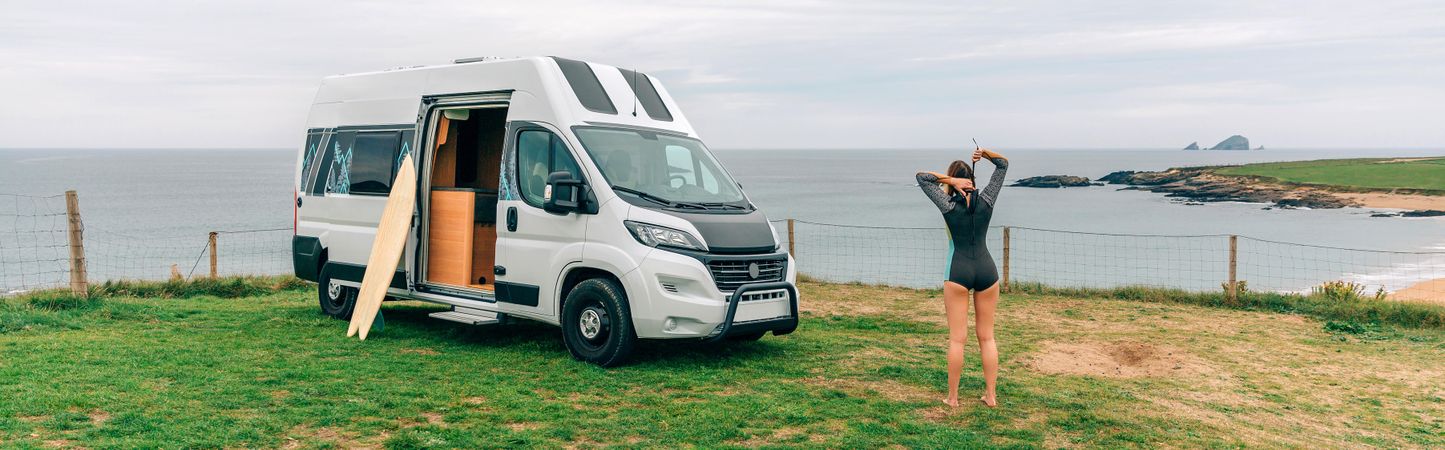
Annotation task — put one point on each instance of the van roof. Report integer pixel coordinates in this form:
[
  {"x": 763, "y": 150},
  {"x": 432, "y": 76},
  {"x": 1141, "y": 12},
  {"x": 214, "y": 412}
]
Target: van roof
[{"x": 560, "y": 91}]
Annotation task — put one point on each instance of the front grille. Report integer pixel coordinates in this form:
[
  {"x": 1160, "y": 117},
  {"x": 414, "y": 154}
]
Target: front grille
[{"x": 729, "y": 274}]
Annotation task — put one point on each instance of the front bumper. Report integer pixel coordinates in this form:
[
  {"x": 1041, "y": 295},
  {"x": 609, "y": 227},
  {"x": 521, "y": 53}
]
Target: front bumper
[
  {"x": 778, "y": 325},
  {"x": 674, "y": 296}
]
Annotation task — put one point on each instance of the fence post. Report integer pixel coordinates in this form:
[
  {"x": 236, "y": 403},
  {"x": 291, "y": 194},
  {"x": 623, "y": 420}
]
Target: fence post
[
  {"x": 1233, "y": 283},
  {"x": 77, "y": 245},
  {"x": 791, "y": 248},
  {"x": 1005, "y": 258},
  {"x": 212, "y": 248}
]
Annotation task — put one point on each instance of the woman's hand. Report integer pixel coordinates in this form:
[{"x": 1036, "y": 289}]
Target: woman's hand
[
  {"x": 961, "y": 184},
  {"x": 977, "y": 154}
]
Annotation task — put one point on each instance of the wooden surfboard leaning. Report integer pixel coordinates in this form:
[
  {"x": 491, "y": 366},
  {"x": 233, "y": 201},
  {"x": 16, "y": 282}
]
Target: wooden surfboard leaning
[{"x": 386, "y": 249}]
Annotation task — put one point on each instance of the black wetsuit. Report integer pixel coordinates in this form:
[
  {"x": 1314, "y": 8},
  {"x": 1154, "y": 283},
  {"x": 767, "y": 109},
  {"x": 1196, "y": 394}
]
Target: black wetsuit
[{"x": 970, "y": 265}]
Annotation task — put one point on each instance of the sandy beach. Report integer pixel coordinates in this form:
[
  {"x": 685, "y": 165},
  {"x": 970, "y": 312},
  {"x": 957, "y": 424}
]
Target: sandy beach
[
  {"x": 1397, "y": 201},
  {"x": 1432, "y": 291}
]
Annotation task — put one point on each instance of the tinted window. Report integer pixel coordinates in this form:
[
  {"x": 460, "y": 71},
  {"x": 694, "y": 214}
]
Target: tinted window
[
  {"x": 539, "y": 153},
  {"x": 584, "y": 83},
  {"x": 647, "y": 95},
  {"x": 373, "y": 162},
  {"x": 314, "y": 141},
  {"x": 324, "y": 174}
]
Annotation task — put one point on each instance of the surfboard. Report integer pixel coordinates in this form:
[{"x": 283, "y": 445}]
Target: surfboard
[{"x": 386, "y": 249}]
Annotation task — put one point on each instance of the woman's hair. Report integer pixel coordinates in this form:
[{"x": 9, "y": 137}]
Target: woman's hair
[{"x": 957, "y": 169}]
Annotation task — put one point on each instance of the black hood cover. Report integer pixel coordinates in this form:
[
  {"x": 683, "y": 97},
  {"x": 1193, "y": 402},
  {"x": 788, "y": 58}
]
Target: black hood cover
[{"x": 732, "y": 232}]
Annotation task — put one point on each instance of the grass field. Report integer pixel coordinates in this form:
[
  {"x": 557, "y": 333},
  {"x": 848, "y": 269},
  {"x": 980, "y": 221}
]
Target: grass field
[
  {"x": 1423, "y": 174},
  {"x": 865, "y": 370}
]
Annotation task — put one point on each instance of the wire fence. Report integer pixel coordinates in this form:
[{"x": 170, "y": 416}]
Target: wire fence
[
  {"x": 919, "y": 257},
  {"x": 35, "y": 249},
  {"x": 35, "y": 253}
]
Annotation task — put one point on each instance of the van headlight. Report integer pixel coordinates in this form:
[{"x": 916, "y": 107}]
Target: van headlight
[{"x": 654, "y": 236}]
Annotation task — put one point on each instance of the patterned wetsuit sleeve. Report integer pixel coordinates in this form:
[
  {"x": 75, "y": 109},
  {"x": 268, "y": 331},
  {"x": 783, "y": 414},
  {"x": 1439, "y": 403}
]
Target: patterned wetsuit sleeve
[
  {"x": 929, "y": 184},
  {"x": 995, "y": 182}
]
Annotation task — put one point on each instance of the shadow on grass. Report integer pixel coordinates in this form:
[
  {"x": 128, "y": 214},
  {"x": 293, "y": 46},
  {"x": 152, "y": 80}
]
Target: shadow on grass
[{"x": 411, "y": 320}]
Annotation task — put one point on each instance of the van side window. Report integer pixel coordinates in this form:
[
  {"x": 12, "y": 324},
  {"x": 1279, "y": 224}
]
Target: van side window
[
  {"x": 333, "y": 176},
  {"x": 539, "y": 153},
  {"x": 373, "y": 162},
  {"x": 314, "y": 141}
]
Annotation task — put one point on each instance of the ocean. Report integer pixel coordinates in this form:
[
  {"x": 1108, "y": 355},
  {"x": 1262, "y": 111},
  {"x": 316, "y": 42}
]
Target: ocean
[{"x": 178, "y": 196}]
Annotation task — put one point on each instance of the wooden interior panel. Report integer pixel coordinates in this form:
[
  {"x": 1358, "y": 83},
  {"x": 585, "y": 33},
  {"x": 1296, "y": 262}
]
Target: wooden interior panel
[
  {"x": 450, "y": 237},
  {"x": 484, "y": 252},
  {"x": 444, "y": 168}
]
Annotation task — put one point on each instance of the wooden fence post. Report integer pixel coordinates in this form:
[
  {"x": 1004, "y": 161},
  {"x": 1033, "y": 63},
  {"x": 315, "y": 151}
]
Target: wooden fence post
[
  {"x": 212, "y": 245},
  {"x": 792, "y": 250},
  {"x": 77, "y": 245},
  {"x": 1233, "y": 283},
  {"x": 1005, "y": 258}
]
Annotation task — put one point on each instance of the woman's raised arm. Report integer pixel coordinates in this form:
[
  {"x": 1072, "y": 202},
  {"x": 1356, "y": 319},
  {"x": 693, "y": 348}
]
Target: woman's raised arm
[
  {"x": 928, "y": 181},
  {"x": 995, "y": 182}
]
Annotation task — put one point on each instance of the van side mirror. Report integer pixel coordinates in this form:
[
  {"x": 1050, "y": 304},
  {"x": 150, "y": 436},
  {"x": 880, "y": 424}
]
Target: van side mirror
[{"x": 565, "y": 194}]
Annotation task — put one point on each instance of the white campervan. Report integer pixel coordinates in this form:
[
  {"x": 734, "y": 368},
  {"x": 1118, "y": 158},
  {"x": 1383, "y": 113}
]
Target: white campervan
[{"x": 549, "y": 189}]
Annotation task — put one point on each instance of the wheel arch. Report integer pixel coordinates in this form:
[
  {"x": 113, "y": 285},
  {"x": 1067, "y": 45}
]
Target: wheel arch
[{"x": 579, "y": 273}]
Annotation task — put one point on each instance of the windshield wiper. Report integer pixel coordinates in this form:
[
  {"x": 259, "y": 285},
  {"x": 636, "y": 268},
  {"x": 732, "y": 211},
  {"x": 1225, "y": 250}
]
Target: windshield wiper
[
  {"x": 723, "y": 205},
  {"x": 659, "y": 200},
  {"x": 644, "y": 195}
]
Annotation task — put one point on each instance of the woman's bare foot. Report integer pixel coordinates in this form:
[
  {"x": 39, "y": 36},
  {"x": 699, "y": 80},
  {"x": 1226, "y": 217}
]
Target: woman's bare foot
[
  {"x": 951, "y": 402},
  {"x": 989, "y": 400}
]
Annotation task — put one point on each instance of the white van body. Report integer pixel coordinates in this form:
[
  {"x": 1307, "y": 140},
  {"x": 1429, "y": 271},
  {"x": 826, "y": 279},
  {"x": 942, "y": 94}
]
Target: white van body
[{"x": 641, "y": 204}]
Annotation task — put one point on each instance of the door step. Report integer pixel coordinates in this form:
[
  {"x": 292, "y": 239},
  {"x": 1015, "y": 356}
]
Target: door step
[{"x": 468, "y": 316}]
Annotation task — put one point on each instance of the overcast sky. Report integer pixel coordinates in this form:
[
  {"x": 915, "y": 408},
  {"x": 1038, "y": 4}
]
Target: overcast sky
[{"x": 764, "y": 74}]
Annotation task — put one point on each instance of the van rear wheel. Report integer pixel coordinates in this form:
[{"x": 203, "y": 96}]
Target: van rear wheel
[
  {"x": 336, "y": 300},
  {"x": 597, "y": 323}
]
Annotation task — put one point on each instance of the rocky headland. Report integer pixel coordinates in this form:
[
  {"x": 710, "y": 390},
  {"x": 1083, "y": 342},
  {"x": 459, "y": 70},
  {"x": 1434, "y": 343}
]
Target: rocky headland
[{"x": 1200, "y": 184}]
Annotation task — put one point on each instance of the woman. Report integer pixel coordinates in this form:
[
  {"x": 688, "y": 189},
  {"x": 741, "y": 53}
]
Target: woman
[{"x": 967, "y": 211}]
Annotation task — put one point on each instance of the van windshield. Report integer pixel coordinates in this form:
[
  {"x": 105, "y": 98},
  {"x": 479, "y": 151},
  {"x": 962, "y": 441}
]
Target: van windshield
[{"x": 670, "y": 170}]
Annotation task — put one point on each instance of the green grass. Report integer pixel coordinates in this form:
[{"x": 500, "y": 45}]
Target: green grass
[
  {"x": 865, "y": 370},
  {"x": 1426, "y": 176}
]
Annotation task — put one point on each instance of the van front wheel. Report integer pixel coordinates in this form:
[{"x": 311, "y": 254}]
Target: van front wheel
[
  {"x": 597, "y": 324},
  {"x": 336, "y": 300}
]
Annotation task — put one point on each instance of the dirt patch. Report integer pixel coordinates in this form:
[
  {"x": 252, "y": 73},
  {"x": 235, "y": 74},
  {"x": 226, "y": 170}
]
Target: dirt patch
[
  {"x": 98, "y": 417},
  {"x": 420, "y": 351},
  {"x": 1123, "y": 359},
  {"x": 59, "y": 443}
]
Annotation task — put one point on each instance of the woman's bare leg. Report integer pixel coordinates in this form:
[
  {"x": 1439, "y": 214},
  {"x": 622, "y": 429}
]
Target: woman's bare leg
[
  {"x": 955, "y": 304},
  {"x": 984, "y": 304}
]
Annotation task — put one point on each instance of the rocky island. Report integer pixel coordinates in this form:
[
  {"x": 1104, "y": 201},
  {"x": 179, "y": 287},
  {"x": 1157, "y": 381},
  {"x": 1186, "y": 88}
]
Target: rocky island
[{"x": 1235, "y": 142}]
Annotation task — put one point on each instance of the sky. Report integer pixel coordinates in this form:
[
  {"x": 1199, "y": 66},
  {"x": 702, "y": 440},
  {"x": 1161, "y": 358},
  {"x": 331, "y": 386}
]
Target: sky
[{"x": 759, "y": 74}]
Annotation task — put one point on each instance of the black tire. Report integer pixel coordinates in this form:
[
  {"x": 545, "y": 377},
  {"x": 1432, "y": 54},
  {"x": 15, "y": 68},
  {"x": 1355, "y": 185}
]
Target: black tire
[
  {"x": 336, "y": 301},
  {"x": 747, "y": 337},
  {"x": 598, "y": 307}
]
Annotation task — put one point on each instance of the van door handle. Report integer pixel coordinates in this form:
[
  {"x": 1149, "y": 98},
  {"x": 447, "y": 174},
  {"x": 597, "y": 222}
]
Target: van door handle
[{"x": 512, "y": 218}]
